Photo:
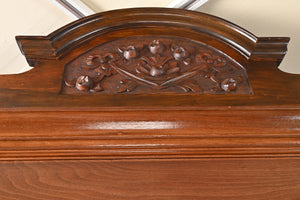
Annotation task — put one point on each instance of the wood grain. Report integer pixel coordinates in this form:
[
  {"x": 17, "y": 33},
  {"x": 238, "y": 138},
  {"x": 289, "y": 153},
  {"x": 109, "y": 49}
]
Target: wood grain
[
  {"x": 218, "y": 179},
  {"x": 150, "y": 145},
  {"x": 36, "y": 135}
]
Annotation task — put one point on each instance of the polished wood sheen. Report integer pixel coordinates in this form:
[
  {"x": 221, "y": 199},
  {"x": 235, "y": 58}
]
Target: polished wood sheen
[
  {"x": 211, "y": 179},
  {"x": 150, "y": 103}
]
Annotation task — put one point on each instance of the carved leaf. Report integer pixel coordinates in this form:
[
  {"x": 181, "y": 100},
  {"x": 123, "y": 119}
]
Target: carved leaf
[
  {"x": 190, "y": 86},
  {"x": 173, "y": 70},
  {"x": 70, "y": 83},
  {"x": 97, "y": 88},
  {"x": 92, "y": 61},
  {"x": 217, "y": 87},
  {"x": 126, "y": 85},
  {"x": 187, "y": 61}
]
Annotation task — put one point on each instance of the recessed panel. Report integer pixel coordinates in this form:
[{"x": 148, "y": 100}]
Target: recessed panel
[{"x": 154, "y": 65}]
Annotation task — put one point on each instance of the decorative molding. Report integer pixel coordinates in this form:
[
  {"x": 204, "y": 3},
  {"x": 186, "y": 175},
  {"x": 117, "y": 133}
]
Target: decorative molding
[
  {"x": 154, "y": 65},
  {"x": 243, "y": 45},
  {"x": 93, "y": 134}
]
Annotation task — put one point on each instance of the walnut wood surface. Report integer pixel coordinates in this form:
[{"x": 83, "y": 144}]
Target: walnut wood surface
[
  {"x": 217, "y": 179},
  {"x": 67, "y": 134},
  {"x": 40, "y": 88},
  {"x": 36, "y": 135}
]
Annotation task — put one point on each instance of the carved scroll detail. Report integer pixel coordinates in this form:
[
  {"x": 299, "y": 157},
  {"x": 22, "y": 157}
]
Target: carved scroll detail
[{"x": 154, "y": 65}]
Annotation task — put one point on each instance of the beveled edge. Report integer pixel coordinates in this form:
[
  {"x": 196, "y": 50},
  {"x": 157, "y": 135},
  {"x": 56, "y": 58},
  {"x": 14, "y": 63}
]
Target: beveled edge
[
  {"x": 105, "y": 135},
  {"x": 67, "y": 38}
]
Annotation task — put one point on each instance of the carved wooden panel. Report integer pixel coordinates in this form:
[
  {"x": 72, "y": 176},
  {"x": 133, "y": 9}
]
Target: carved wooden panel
[{"x": 149, "y": 64}]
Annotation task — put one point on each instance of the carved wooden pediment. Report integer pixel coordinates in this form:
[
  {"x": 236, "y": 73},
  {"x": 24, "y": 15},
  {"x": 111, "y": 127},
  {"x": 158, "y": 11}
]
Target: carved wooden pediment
[
  {"x": 150, "y": 103},
  {"x": 145, "y": 59}
]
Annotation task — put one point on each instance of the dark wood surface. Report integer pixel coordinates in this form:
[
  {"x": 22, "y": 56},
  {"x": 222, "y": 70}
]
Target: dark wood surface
[{"x": 84, "y": 125}]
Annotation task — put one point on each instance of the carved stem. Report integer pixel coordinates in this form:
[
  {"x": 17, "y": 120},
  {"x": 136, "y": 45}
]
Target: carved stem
[{"x": 131, "y": 76}]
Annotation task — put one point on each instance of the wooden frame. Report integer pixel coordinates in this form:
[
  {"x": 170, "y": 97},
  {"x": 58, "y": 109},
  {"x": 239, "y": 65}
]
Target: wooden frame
[{"x": 173, "y": 138}]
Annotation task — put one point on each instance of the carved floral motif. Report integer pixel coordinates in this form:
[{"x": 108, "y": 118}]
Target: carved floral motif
[{"x": 159, "y": 65}]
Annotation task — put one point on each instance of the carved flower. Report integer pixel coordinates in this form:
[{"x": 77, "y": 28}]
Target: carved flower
[
  {"x": 155, "y": 47},
  {"x": 94, "y": 61},
  {"x": 129, "y": 52},
  {"x": 157, "y": 66},
  {"x": 178, "y": 52},
  {"x": 202, "y": 57},
  {"x": 229, "y": 84},
  {"x": 156, "y": 71},
  {"x": 84, "y": 83},
  {"x": 214, "y": 61}
]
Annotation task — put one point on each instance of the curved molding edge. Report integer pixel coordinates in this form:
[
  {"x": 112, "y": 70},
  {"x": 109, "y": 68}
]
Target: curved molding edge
[{"x": 61, "y": 42}]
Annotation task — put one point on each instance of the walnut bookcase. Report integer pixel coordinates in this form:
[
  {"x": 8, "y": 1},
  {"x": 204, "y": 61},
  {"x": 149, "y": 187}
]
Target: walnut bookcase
[{"x": 150, "y": 103}]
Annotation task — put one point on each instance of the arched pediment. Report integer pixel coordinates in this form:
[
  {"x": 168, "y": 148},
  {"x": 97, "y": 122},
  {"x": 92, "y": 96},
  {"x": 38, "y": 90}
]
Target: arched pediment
[
  {"x": 210, "y": 30},
  {"x": 216, "y": 57}
]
